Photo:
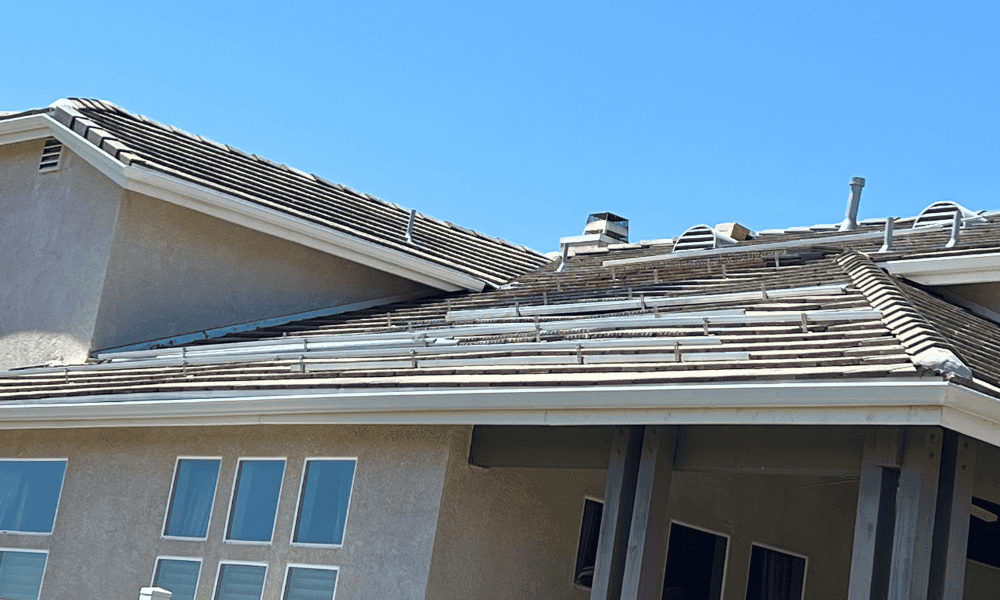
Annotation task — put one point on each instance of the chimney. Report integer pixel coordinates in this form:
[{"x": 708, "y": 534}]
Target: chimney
[
  {"x": 851, "y": 222},
  {"x": 601, "y": 230}
]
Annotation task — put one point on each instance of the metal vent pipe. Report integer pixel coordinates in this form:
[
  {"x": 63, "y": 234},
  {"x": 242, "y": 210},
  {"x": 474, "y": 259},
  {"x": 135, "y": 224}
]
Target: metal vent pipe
[{"x": 851, "y": 222}]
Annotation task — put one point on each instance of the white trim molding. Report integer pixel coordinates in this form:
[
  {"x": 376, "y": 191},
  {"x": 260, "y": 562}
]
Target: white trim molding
[{"x": 948, "y": 270}]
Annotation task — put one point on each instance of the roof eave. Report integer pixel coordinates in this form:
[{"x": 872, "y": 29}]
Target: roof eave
[
  {"x": 878, "y": 401},
  {"x": 947, "y": 270},
  {"x": 235, "y": 210}
]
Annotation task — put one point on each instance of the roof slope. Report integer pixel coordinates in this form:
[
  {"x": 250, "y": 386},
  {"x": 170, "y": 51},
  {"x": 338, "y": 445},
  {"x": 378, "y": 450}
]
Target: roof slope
[{"x": 136, "y": 140}]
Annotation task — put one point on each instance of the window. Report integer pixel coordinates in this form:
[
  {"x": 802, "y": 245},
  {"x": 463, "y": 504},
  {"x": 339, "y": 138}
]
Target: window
[
  {"x": 178, "y": 575},
  {"x": 255, "y": 500},
  {"x": 984, "y": 531},
  {"x": 586, "y": 551},
  {"x": 305, "y": 582},
  {"x": 21, "y": 574},
  {"x": 240, "y": 581},
  {"x": 696, "y": 564},
  {"x": 191, "y": 497},
  {"x": 775, "y": 574},
  {"x": 323, "y": 501},
  {"x": 29, "y": 494}
]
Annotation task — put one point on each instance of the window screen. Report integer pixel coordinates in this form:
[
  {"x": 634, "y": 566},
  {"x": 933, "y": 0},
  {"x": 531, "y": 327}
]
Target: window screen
[
  {"x": 178, "y": 576},
  {"x": 255, "y": 500},
  {"x": 29, "y": 494},
  {"x": 326, "y": 492},
  {"x": 21, "y": 574},
  {"x": 586, "y": 552},
  {"x": 191, "y": 498},
  {"x": 775, "y": 575},
  {"x": 304, "y": 583},
  {"x": 240, "y": 582}
]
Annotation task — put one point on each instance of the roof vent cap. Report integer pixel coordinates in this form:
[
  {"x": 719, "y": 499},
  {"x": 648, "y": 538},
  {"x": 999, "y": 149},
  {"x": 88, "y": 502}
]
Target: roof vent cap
[
  {"x": 608, "y": 224},
  {"x": 941, "y": 214},
  {"x": 702, "y": 237}
]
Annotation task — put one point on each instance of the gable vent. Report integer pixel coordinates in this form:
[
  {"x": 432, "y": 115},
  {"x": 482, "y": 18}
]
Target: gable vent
[
  {"x": 941, "y": 214},
  {"x": 702, "y": 237},
  {"x": 50, "y": 155}
]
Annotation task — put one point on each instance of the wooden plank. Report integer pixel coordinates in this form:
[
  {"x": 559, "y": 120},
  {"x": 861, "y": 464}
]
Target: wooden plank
[
  {"x": 616, "y": 521},
  {"x": 875, "y": 520},
  {"x": 647, "y": 547},
  {"x": 951, "y": 536},
  {"x": 916, "y": 503}
]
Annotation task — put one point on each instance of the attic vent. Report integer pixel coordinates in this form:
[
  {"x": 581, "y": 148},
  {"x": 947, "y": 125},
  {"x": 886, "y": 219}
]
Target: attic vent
[
  {"x": 702, "y": 237},
  {"x": 50, "y": 155},
  {"x": 942, "y": 214}
]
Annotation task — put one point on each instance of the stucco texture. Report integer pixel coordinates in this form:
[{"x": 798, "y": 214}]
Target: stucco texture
[
  {"x": 56, "y": 233},
  {"x": 175, "y": 271},
  {"x": 107, "y": 533},
  {"x": 510, "y": 532}
]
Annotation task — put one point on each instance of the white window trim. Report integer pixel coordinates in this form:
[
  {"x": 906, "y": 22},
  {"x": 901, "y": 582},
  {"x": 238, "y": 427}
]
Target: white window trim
[
  {"x": 218, "y": 573},
  {"x": 288, "y": 569},
  {"x": 170, "y": 496},
  {"x": 152, "y": 578},
  {"x": 55, "y": 515},
  {"x": 298, "y": 499},
  {"x": 729, "y": 546},
  {"x": 232, "y": 499},
  {"x": 44, "y": 568},
  {"x": 805, "y": 570}
]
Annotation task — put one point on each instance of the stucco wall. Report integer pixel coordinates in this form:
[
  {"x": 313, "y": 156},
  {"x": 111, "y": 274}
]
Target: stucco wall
[
  {"x": 56, "y": 232},
  {"x": 107, "y": 532},
  {"x": 510, "y": 533},
  {"x": 174, "y": 271}
]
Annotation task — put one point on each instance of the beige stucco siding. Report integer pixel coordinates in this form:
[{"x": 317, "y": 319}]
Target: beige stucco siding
[
  {"x": 56, "y": 233},
  {"x": 175, "y": 271},
  {"x": 107, "y": 533},
  {"x": 510, "y": 533}
]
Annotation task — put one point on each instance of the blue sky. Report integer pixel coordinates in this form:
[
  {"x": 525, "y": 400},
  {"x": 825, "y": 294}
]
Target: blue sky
[{"x": 520, "y": 118}]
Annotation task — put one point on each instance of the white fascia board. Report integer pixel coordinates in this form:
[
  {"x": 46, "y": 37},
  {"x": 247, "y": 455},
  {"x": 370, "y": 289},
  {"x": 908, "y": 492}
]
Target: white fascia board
[
  {"x": 272, "y": 222},
  {"x": 871, "y": 402},
  {"x": 22, "y": 129},
  {"x": 238, "y": 211},
  {"x": 948, "y": 270}
]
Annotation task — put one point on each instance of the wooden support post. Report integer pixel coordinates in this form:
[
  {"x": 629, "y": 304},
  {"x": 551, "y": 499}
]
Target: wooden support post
[
  {"x": 875, "y": 521},
  {"x": 951, "y": 530},
  {"x": 647, "y": 547},
  {"x": 916, "y": 505},
  {"x": 616, "y": 520}
]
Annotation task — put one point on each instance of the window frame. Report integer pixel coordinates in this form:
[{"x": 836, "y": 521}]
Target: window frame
[
  {"x": 288, "y": 569},
  {"x": 198, "y": 559},
  {"x": 232, "y": 500},
  {"x": 805, "y": 569},
  {"x": 55, "y": 513},
  {"x": 218, "y": 574},
  {"x": 298, "y": 500},
  {"x": 44, "y": 568},
  {"x": 170, "y": 497},
  {"x": 579, "y": 538},
  {"x": 729, "y": 546}
]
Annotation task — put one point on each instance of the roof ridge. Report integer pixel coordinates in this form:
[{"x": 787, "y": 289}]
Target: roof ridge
[{"x": 927, "y": 347}]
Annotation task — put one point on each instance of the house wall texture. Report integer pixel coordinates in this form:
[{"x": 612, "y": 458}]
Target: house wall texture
[
  {"x": 56, "y": 233},
  {"x": 174, "y": 271},
  {"x": 107, "y": 532},
  {"x": 510, "y": 532}
]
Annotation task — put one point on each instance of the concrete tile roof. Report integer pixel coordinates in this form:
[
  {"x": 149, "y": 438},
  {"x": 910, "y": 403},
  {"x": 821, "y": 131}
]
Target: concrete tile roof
[{"x": 137, "y": 140}]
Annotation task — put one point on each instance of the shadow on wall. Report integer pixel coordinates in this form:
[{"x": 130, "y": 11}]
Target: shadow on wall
[{"x": 41, "y": 348}]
